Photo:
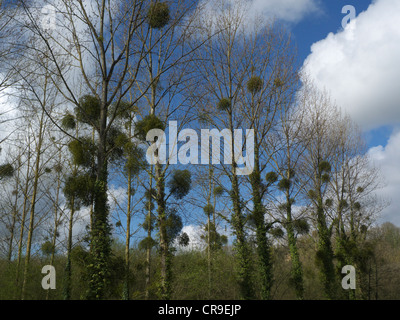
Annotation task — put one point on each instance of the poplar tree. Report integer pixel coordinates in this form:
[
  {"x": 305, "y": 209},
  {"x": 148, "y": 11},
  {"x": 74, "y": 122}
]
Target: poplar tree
[
  {"x": 220, "y": 65},
  {"x": 316, "y": 169},
  {"x": 82, "y": 188},
  {"x": 102, "y": 60},
  {"x": 169, "y": 74}
]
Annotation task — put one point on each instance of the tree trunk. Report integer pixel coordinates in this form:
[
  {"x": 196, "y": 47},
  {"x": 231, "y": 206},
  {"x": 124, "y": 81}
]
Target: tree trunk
[
  {"x": 33, "y": 205},
  {"x": 125, "y": 295},
  {"x": 325, "y": 253},
  {"x": 14, "y": 212},
  {"x": 149, "y": 229},
  {"x": 53, "y": 242},
  {"x": 263, "y": 246},
  {"x": 24, "y": 212},
  {"x": 297, "y": 270},
  {"x": 165, "y": 285},
  {"x": 68, "y": 266}
]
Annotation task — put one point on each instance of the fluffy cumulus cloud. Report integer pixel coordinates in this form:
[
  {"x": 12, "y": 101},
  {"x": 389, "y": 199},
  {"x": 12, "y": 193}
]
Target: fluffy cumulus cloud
[
  {"x": 387, "y": 158},
  {"x": 360, "y": 65}
]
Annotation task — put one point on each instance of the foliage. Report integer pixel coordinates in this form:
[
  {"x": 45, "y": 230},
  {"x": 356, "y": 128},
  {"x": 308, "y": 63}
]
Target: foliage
[
  {"x": 183, "y": 239},
  {"x": 180, "y": 183},
  {"x": 68, "y": 122},
  {"x": 218, "y": 191},
  {"x": 277, "y": 232},
  {"x": 47, "y": 248},
  {"x": 82, "y": 151},
  {"x": 134, "y": 159},
  {"x": 142, "y": 127},
  {"x": 173, "y": 225},
  {"x": 224, "y": 104},
  {"x": 271, "y": 177},
  {"x": 255, "y": 84},
  {"x": 208, "y": 209},
  {"x": 158, "y": 15},
  {"x": 324, "y": 166},
  {"x": 117, "y": 141},
  {"x": 284, "y": 184},
  {"x": 301, "y": 226},
  {"x": 6, "y": 170},
  {"x": 88, "y": 110},
  {"x": 147, "y": 243},
  {"x": 80, "y": 187}
]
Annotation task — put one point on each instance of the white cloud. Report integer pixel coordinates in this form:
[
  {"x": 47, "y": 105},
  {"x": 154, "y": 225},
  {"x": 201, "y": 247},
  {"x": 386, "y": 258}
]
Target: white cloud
[
  {"x": 196, "y": 242},
  {"x": 286, "y": 10},
  {"x": 289, "y": 11},
  {"x": 360, "y": 65},
  {"x": 194, "y": 232},
  {"x": 387, "y": 158}
]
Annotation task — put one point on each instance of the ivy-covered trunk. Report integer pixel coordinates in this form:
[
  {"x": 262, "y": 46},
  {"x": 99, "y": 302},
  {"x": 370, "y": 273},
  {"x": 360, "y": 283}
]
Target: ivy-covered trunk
[
  {"x": 238, "y": 224},
  {"x": 297, "y": 270},
  {"x": 241, "y": 246},
  {"x": 325, "y": 252},
  {"x": 263, "y": 245},
  {"x": 100, "y": 237}
]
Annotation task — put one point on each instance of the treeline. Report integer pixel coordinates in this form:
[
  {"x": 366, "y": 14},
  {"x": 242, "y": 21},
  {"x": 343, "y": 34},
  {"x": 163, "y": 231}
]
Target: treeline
[
  {"x": 78, "y": 190},
  {"x": 378, "y": 280}
]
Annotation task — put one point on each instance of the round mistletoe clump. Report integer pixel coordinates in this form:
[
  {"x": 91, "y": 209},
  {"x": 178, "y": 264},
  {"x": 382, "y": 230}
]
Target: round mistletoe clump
[
  {"x": 278, "y": 83},
  {"x": 68, "y": 122},
  {"x": 271, "y": 177},
  {"x": 158, "y": 15},
  {"x": 208, "y": 209},
  {"x": 146, "y": 124},
  {"x": 224, "y": 104},
  {"x": 284, "y": 184},
  {"x": 255, "y": 84},
  {"x": 324, "y": 166}
]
